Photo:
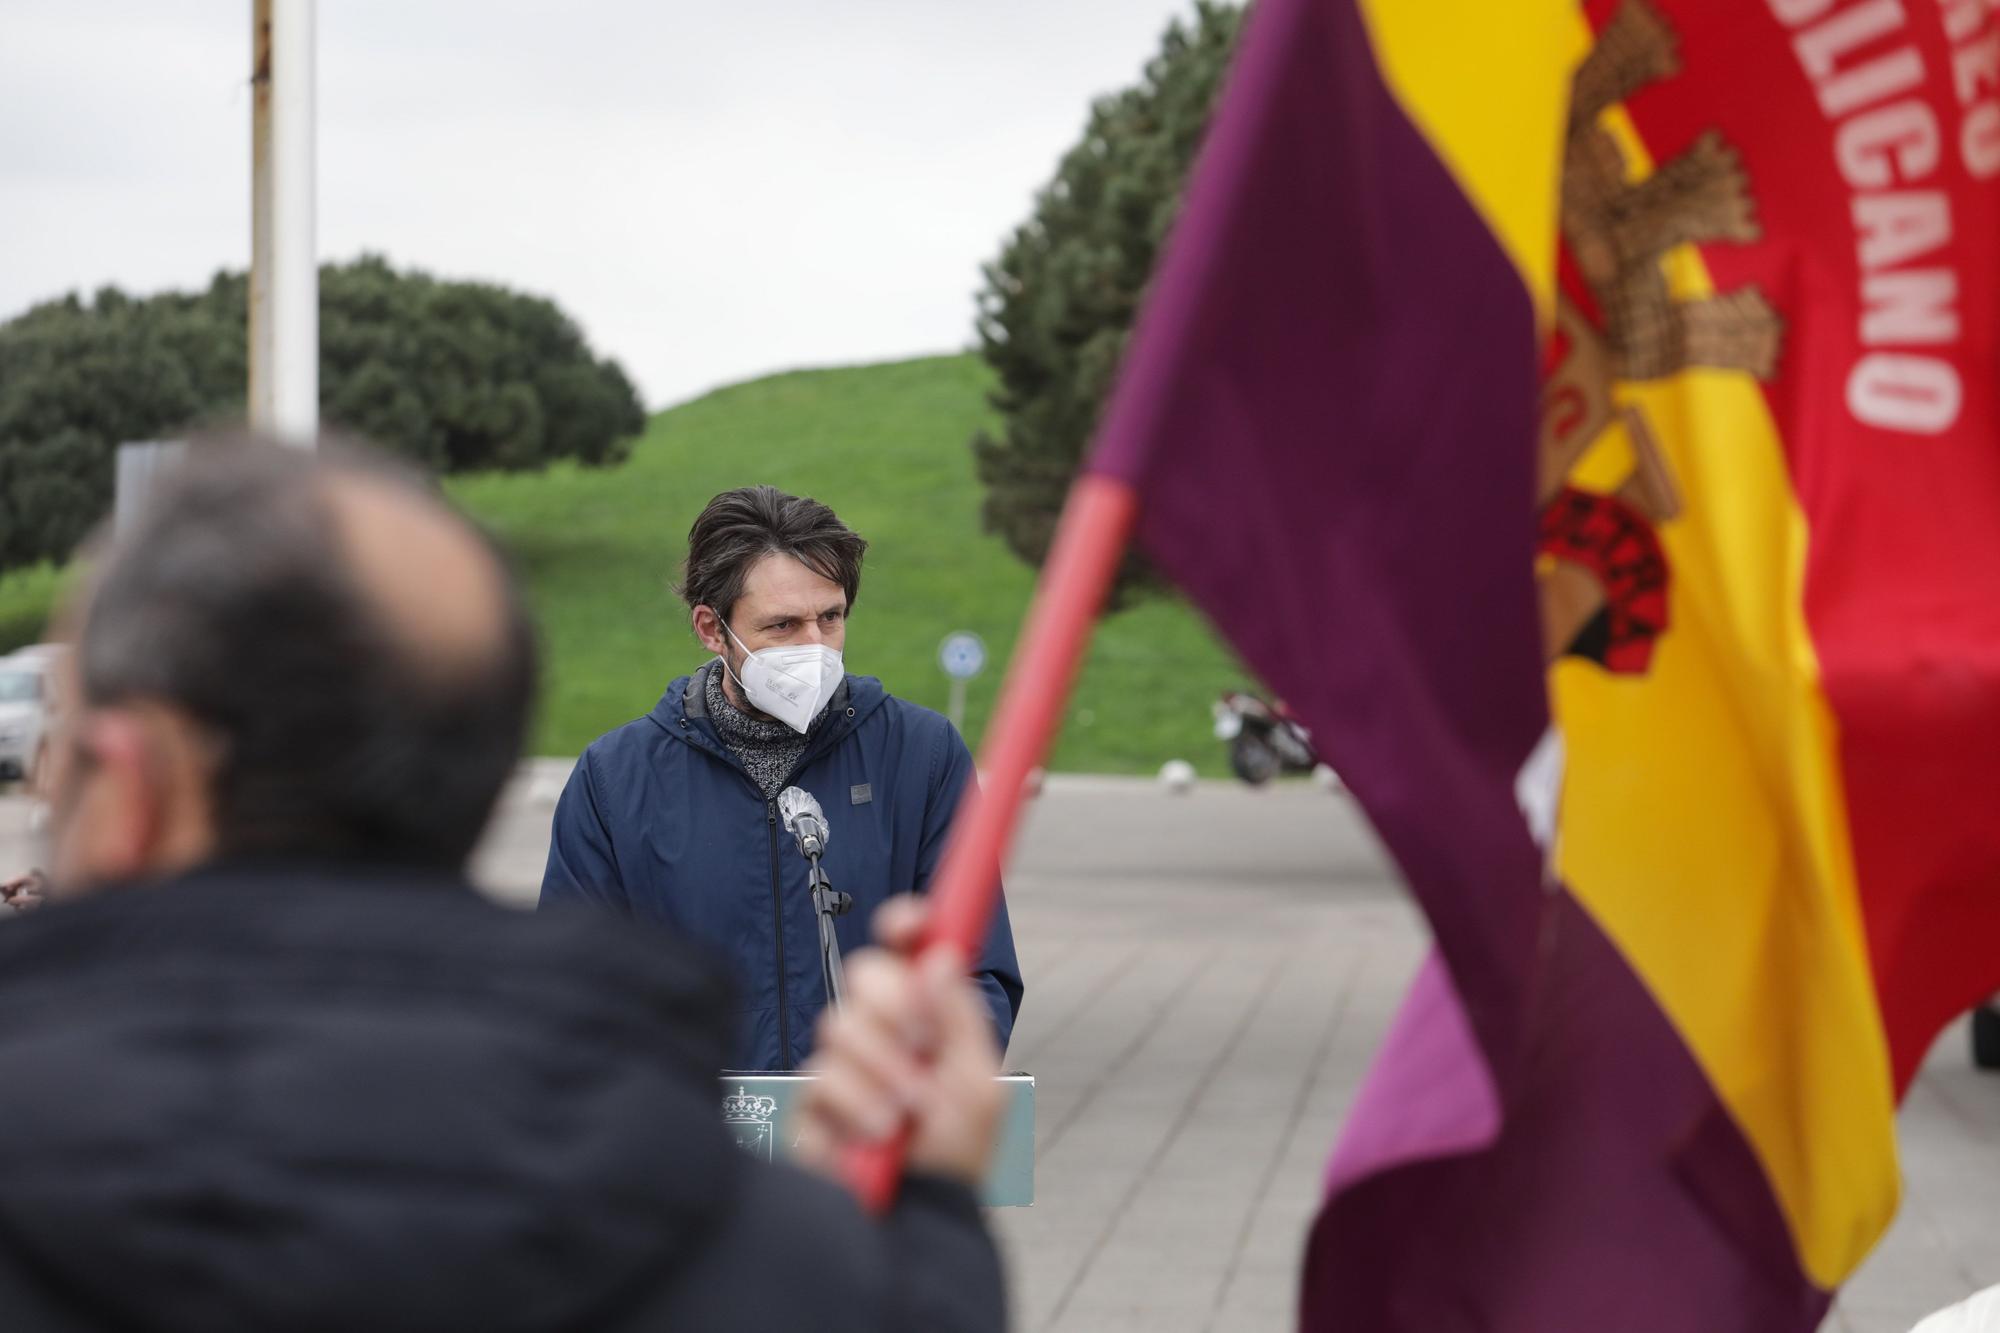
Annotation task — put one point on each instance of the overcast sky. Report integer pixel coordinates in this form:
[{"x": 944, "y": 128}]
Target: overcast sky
[{"x": 713, "y": 190}]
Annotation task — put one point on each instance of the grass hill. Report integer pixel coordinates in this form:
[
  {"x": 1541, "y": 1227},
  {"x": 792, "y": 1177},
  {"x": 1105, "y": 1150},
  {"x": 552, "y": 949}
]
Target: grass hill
[{"x": 885, "y": 446}]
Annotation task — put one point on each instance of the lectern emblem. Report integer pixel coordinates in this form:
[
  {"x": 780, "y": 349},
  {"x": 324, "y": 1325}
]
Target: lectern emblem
[{"x": 749, "y": 1121}]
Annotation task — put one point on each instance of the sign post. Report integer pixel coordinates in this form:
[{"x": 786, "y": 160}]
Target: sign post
[
  {"x": 140, "y": 465},
  {"x": 963, "y": 656}
]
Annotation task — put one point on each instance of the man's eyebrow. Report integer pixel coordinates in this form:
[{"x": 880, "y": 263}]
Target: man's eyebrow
[{"x": 780, "y": 617}]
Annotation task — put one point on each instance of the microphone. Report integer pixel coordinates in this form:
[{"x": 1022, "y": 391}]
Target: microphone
[{"x": 804, "y": 820}]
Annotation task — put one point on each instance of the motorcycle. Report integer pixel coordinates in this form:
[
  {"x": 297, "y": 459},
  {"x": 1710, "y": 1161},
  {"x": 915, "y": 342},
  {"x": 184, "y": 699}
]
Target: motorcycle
[{"x": 1264, "y": 739}]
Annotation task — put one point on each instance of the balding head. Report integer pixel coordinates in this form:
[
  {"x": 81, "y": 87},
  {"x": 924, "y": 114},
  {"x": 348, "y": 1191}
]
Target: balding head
[
  {"x": 343, "y": 662},
  {"x": 433, "y": 582}
]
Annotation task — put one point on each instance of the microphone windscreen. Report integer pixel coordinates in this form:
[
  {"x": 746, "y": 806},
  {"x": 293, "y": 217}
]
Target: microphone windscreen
[{"x": 795, "y": 803}]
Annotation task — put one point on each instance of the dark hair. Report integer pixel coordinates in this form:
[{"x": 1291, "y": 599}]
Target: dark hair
[
  {"x": 741, "y": 527},
  {"x": 231, "y": 599}
]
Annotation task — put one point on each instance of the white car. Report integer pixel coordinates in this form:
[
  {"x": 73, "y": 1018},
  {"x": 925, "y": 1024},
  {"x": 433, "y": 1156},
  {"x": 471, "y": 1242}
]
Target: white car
[{"x": 24, "y": 713}]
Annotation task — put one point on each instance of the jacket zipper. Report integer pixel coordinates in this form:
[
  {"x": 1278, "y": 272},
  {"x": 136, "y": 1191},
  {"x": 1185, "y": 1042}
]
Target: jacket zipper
[
  {"x": 778, "y": 934},
  {"x": 826, "y": 743},
  {"x": 777, "y": 898}
]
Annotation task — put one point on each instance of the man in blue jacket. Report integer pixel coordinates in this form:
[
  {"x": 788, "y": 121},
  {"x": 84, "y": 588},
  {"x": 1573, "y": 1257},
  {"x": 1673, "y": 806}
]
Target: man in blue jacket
[{"x": 673, "y": 818}]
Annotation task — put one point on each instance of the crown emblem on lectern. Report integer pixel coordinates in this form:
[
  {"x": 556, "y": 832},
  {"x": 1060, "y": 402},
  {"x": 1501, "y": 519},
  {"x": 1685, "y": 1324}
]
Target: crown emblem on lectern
[
  {"x": 741, "y": 1108},
  {"x": 749, "y": 1120}
]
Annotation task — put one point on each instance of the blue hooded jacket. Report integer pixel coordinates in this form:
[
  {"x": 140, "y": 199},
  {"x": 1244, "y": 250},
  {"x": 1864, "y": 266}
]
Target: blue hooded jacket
[{"x": 661, "y": 822}]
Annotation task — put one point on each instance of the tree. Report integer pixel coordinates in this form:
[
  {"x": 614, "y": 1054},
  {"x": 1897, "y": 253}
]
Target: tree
[
  {"x": 75, "y": 380},
  {"x": 1057, "y": 305},
  {"x": 455, "y": 376}
]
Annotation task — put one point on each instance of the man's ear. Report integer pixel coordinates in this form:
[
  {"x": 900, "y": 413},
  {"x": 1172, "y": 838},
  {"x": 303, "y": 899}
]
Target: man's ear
[
  {"x": 117, "y": 809},
  {"x": 137, "y": 802},
  {"x": 708, "y": 628}
]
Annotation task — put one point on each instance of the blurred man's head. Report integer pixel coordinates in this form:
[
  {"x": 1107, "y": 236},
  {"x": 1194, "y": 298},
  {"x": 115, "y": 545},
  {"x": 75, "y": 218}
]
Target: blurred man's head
[{"x": 288, "y": 656}]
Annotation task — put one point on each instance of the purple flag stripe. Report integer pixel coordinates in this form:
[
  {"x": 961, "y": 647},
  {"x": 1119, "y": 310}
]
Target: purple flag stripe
[
  {"x": 1328, "y": 412},
  {"x": 1620, "y": 1194}
]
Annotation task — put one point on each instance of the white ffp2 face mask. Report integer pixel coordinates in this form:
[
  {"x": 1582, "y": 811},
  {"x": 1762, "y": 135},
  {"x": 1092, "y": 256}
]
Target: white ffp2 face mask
[{"x": 790, "y": 684}]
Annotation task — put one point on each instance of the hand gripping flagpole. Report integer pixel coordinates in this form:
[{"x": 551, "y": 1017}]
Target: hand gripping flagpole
[{"x": 1096, "y": 522}]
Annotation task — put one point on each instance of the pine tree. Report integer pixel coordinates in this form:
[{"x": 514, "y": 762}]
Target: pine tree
[{"x": 1057, "y": 305}]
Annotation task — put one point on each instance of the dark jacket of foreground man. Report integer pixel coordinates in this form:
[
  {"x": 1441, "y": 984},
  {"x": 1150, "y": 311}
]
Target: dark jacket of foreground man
[{"x": 283, "y": 1100}]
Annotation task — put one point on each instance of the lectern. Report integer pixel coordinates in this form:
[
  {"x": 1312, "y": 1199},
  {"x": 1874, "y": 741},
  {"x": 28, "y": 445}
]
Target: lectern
[{"x": 759, "y": 1110}]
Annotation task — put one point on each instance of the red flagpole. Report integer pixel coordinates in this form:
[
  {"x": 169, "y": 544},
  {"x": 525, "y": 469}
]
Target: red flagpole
[{"x": 1096, "y": 522}]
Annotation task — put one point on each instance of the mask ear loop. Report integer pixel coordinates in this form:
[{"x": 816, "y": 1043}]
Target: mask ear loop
[{"x": 724, "y": 658}]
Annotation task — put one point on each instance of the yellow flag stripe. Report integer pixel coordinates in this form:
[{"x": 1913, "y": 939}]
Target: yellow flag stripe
[{"x": 1703, "y": 821}]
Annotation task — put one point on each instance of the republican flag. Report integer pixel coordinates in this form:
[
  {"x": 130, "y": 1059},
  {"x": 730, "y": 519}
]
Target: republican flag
[{"x": 1585, "y": 419}]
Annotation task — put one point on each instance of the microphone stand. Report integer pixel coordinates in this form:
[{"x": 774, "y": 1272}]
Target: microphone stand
[{"x": 828, "y": 903}]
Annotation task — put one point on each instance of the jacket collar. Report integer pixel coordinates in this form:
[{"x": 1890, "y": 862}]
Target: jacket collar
[{"x": 682, "y": 713}]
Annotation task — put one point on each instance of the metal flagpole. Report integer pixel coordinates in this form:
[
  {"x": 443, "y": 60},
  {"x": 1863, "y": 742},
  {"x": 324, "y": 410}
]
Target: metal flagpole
[{"x": 284, "y": 265}]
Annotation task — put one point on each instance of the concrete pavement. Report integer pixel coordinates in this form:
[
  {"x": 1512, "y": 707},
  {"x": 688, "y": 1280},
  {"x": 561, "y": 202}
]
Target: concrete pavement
[{"x": 1208, "y": 976}]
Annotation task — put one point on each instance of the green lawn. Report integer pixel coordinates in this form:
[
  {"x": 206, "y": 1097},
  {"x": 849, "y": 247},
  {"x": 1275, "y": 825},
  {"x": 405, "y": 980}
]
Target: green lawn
[
  {"x": 25, "y": 598},
  {"x": 886, "y": 447}
]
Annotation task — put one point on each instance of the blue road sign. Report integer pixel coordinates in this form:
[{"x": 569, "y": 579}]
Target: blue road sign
[{"x": 962, "y": 655}]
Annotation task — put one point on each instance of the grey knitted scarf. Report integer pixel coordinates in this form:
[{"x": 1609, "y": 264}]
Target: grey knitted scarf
[{"x": 770, "y": 750}]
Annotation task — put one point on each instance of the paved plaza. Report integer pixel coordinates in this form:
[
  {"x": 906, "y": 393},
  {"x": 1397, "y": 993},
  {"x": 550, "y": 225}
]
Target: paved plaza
[{"x": 1208, "y": 976}]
